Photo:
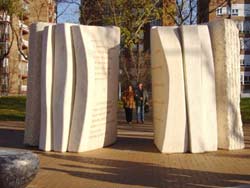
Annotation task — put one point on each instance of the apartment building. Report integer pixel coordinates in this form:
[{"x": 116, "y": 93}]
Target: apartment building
[
  {"x": 15, "y": 31},
  {"x": 239, "y": 11}
]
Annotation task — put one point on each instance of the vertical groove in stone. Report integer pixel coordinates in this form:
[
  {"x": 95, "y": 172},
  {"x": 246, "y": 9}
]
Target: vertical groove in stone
[
  {"x": 192, "y": 72},
  {"x": 47, "y": 66},
  {"x": 63, "y": 84},
  {"x": 82, "y": 93}
]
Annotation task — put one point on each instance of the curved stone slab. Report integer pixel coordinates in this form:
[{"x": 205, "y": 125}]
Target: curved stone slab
[
  {"x": 33, "y": 104},
  {"x": 95, "y": 109},
  {"x": 169, "y": 115},
  {"x": 63, "y": 87},
  {"x": 208, "y": 90},
  {"x": 46, "y": 89},
  {"x": 17, "y": 168},
  {"x": 193, "y": 86},
  {"x": 226, "y": 49}
]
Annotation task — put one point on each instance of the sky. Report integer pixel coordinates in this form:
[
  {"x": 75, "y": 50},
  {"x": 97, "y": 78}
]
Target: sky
[{"x": 71, "y": 15}]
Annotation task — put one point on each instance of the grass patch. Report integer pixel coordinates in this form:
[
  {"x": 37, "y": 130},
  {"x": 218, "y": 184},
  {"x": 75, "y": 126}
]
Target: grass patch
[
  {"x": 245, "y": 109},
  {"x": 12, "y": 108}
]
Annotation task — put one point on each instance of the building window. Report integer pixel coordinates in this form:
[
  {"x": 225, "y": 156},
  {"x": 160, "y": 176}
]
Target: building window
[
  {"x": 245, "y": 43},
  {"x": 242, "y": 62},
  {"x": 247, "y": 63},
  {"x": 219, "y": 11},
  {"x": 245, "y": 60},
  {"x": 240, "y": 25},
  {"x": 242, "y": 78},
  {"x": 235, "y": 12},
  {"x": 246, "y": 77},
  {"x": 243, "y": 26}
]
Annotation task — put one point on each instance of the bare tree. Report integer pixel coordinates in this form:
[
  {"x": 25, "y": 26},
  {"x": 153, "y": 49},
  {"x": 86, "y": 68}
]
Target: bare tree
[
  {"x": 181, "y": 11},
  {"x": 131, "y": 17}
]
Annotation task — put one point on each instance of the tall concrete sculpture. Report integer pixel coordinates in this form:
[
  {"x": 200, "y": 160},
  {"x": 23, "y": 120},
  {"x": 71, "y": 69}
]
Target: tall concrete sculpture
[
  {"x": 169, "y": 115},
  {"x": 95, "y": 106},
  {"x": 200, "y": 88},
  {"x": 73, "y": 77},
  {"x": 212, "y": 87},
  {"x": 33, "y": 104},
  {"x": 226, "y": 49},
  {"x": 79, "y": 71}
]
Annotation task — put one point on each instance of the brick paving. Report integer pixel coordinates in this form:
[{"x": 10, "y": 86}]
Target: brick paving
[{"x": 134, "y": 161}]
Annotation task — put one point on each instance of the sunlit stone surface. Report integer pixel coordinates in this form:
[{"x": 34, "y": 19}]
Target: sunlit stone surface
[
  {"x": 208, "y": 90},
  {"x": 63, "y": 86},
  {"x": 226, "y": 49},
  {"x": 95, "y": 105},
  {"x": 79, "y": 71},
  {"x": 46, "y": 89},
  {"x": 200, "y": 88},
  {"x": 193, "y": 84},
  {"x": 33, "y": 104},
  {"x": 169, "y": 114}
]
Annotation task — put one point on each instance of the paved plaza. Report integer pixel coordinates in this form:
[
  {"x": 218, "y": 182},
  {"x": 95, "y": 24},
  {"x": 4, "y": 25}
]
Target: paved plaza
[{"x": 134, "y": 161}]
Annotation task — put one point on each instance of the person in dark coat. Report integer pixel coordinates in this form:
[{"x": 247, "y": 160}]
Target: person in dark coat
[
  {"x": 129, "y": 103},
  {"x": 141, "y": 98}
]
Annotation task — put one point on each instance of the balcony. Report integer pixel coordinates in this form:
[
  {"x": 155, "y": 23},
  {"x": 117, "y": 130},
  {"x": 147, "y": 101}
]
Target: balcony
[
  {"x": 4, "y": 38},
  {"x": 5, "y": 66},
  {"x": 25, "y": 14},
  {"x": 23, "y": 27},
  {"x": 23, "y": 70},
  {"x": 21, "y": 58},
  {"x": 25, "y": 44},
  {"x": 4, "y": 18},
  {"x": 23, "y": 89}
]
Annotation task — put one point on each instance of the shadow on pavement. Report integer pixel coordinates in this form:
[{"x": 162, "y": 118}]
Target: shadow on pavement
[
  {"x": 135, "y": 144},
  {"x": 144, "y": 174}
]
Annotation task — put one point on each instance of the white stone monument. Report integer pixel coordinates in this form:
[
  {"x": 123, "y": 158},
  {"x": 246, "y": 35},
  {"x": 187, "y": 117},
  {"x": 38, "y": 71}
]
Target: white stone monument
[
  {"x": 183, "y": 82},
  {"x": 33, "y": 104},
  {"x": 169, "y": 107},
  {"x": 226, "y": 49},
  {"x": 95, "y": 106},
  {"x": 73, "y": 87},
  {"x": 79, "y": 78}
]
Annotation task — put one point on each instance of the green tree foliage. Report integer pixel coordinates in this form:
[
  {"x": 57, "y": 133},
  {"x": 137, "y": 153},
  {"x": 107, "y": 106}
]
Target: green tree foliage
[
  {"x": 131, "y": 17},
  {"x": 11, "y": 7}
]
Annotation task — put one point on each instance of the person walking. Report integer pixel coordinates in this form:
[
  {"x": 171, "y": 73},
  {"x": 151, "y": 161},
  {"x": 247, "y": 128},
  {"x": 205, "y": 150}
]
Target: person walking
[
  {"x": 141, "y": 98},
  {"x": 129, "y": 103}
]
